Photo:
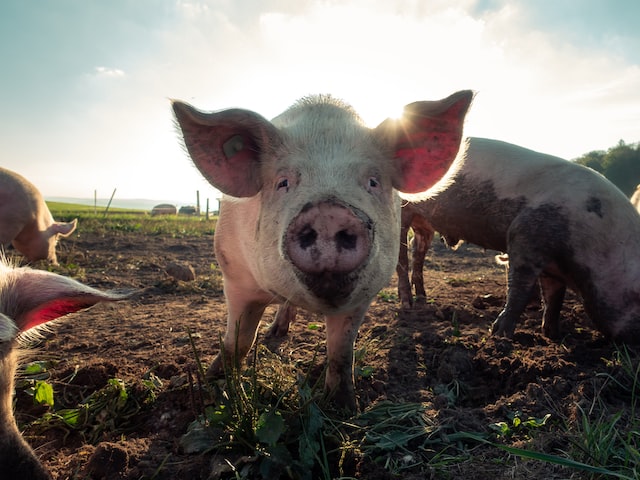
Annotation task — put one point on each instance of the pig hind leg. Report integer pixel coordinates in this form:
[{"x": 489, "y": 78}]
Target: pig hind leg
[
  {"x": 422, "y": 238},
  {"x": 285, "y": 315},
  {"x": 402, "y": 269},
  {"x": 531, "y": 247},
  {"x": 553, "y": 291}
]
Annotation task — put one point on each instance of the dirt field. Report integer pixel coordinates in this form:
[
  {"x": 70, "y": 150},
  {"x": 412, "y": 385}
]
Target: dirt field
[{"x": 439, "y": 354}]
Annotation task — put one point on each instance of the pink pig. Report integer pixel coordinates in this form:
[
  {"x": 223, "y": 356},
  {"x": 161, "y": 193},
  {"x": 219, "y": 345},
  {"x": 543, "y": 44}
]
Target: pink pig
[
  {"x": 25, "y": 219},
  {"x": 29, "y": 298},
  {"x": 311, "y": 213}
]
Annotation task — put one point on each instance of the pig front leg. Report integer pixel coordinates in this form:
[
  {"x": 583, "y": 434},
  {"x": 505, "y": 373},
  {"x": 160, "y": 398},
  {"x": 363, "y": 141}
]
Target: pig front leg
[
  {"x": 521, "y": 282},
  {"x": 243, "y": 319},
  {"x": 342, "y": 331}
]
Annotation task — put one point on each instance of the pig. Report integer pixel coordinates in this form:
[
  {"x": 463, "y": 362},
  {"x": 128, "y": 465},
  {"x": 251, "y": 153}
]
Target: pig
[
  {"x": 29, "y": 298},
  {"x": 311, "y": 213},
  {"x": 25, "y": 219},
  {"x": 560, "y": 224}
]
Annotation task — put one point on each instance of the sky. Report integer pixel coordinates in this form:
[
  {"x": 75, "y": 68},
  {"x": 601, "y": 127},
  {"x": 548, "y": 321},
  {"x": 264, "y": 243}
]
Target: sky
[{"x": 85, "y": 85}]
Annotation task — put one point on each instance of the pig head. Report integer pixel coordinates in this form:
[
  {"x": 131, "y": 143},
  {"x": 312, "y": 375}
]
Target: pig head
[
  {"x": 29, "y": 298},
  {"x": 311, "y": 214},
  {"x": 25, "y": 219}
]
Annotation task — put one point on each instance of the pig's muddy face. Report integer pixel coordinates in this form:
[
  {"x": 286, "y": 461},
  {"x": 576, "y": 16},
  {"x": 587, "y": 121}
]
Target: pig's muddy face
[{"x": 332, "y": 213}]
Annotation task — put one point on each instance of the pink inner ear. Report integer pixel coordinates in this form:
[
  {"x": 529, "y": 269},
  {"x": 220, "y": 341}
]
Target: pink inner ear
[
  {"x": 419, "y": 175},
  {"x": 50, "y": 311}
]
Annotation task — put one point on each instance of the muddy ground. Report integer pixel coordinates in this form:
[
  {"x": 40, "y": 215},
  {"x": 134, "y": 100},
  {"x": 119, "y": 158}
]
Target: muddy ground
[{"x": 439, "y": 354}]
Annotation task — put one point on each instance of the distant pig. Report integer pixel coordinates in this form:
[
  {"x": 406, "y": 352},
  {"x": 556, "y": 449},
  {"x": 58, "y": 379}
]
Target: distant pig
[
  {"x": 25, "y": 219},
  {"x": 29, "y": 298},
  {"x": 560, "y": 223},
  {"x": 311, "y": 214}
]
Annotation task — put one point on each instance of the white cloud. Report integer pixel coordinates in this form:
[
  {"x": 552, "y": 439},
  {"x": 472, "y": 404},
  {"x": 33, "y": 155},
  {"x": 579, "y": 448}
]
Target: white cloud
[{"x": 108, "y": 72}]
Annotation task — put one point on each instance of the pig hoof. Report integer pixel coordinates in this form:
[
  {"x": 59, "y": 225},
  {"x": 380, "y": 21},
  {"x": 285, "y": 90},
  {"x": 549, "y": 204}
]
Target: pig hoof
[
  {"x": 278, "y": 331},
  {"x": 284, "y": 316},
  {"x": 551, "y": 332},
  {"x": 215, "y": 370},
  {"x": 421, "y": 301},
  {"x": 498, "y": 330},
  {"x": 343, "y": 400}
]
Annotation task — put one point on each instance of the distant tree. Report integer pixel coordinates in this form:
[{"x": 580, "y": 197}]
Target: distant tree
[
  {"x": 620, "y": 164},
  {"x": 593, "y": 160}
]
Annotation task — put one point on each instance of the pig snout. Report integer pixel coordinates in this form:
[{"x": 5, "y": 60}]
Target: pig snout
[{"x": 327, "y": 242}]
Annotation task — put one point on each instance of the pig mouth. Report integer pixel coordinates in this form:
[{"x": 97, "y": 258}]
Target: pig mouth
[
  {"x": 329, "y": 244},
  {"x": 333, "y": 288}
]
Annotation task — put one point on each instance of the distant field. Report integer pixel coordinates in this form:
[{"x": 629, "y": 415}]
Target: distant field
[
  {"x": 61, "y": 207},
  {"x": 130, "y": 220}
]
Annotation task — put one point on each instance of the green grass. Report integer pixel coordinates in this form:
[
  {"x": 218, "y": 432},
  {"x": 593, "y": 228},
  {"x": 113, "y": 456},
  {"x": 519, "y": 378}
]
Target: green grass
[
  {"x": 610, "y": 437},
  {"x": 62, "y": 208},
  {"x": 132, "y": 221}
]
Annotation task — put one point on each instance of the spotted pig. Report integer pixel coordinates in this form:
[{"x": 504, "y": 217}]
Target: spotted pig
[{"x": 561, "y": 224}]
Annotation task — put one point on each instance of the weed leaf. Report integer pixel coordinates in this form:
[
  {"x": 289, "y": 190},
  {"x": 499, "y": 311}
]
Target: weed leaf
[
  {"x": 270, "y": 427},
  {"x": 43, "y": 393}
]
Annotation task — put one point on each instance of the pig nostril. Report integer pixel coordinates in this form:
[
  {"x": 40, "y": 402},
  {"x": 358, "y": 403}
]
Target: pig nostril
[
  {"x": 346, "y": 240},
  {"x": 307, "y": 237}
]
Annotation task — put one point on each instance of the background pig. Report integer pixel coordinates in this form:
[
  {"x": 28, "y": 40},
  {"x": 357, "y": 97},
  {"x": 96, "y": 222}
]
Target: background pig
[
  {"x": 316, "y": 217},
  {"x": 560, "y": 223},
  {"x": 29, "y": 298},
  {"x": 25, "y": 219}
]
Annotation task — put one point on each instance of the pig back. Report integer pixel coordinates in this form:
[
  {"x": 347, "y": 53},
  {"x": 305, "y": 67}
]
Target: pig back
[{"x": 19, "y": 202}]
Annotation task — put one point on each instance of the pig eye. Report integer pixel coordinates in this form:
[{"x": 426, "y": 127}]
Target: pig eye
[
  {"x": 372, "y": 184},
  {"x": 283, "y": 183}
]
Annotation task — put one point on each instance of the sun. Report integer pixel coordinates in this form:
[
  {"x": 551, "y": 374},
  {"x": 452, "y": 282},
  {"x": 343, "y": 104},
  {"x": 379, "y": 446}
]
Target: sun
[{"x": 375, "y": 113}]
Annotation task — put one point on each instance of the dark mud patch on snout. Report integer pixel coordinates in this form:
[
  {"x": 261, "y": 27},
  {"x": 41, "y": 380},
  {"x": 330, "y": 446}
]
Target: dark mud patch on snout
[{"x": 333, "y": 288}]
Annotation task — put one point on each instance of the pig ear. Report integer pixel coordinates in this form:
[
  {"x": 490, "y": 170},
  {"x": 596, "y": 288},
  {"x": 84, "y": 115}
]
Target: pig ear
[
  {"x": 8, "y": 330},
  {"x": 33, "y": 297},
  {"x": 426, "y": 140},
  {"x": 226, "y": 146},
  {"x": 65, "y": 229}
]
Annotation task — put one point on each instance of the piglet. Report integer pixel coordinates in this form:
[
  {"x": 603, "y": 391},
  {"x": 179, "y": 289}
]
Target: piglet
[
  {"x": 29, "y": 298},
  {"x": 25, "y": 219},
  {"x": 311, "y": 213}
]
